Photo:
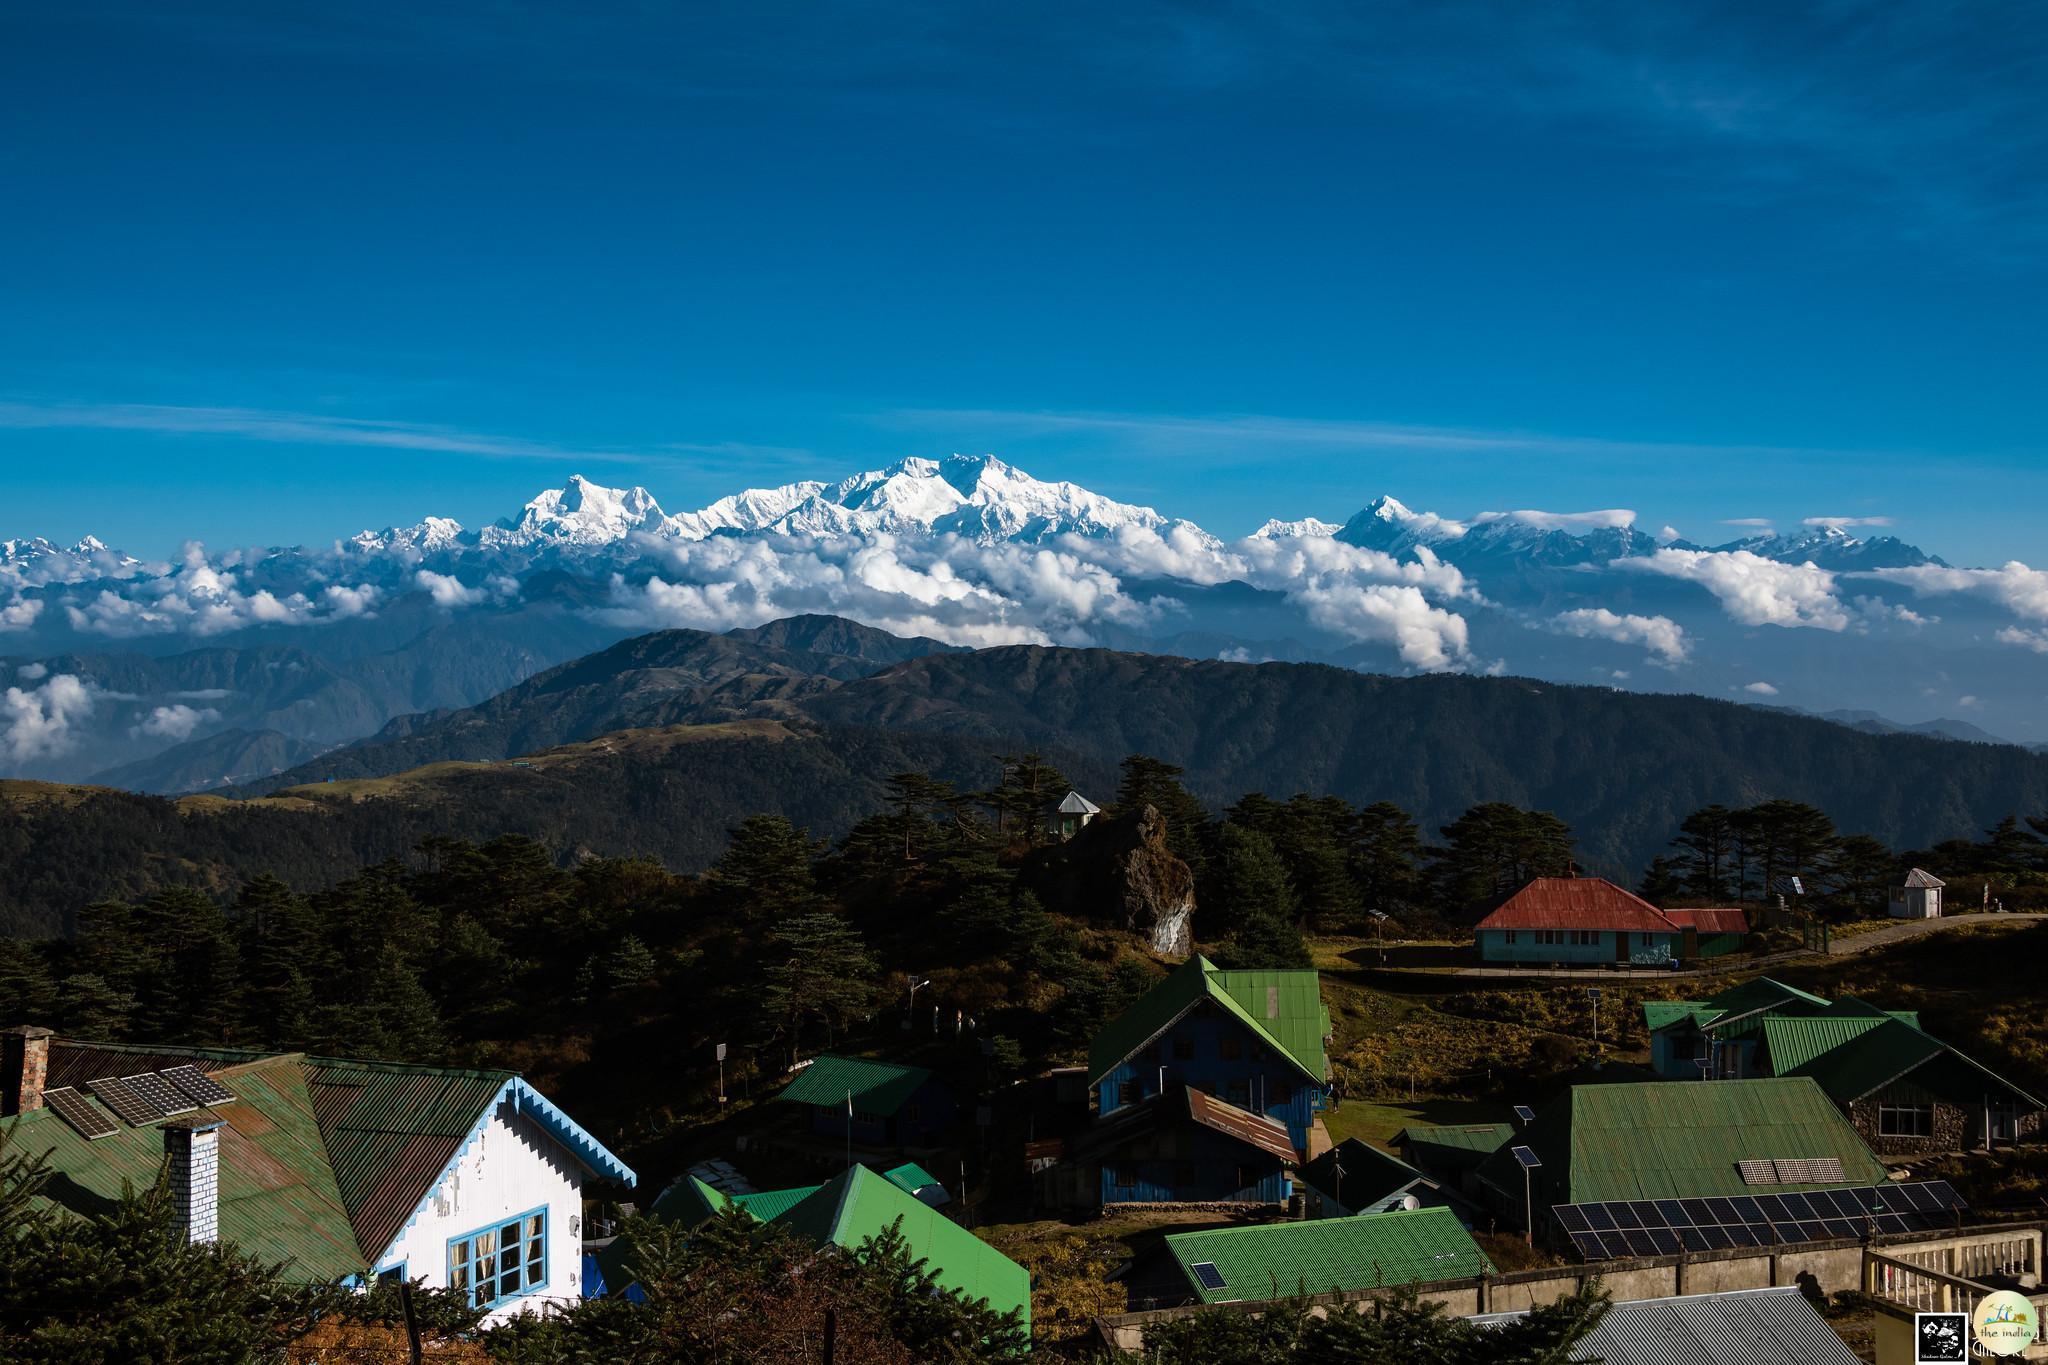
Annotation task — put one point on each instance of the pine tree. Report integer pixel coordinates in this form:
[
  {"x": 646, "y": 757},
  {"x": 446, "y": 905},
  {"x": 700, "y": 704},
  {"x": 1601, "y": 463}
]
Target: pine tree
[{"x": 819, "y": 972}]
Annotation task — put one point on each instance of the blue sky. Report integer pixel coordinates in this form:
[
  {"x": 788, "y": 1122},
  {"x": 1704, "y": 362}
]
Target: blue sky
[{"x": 273, "y": 271}]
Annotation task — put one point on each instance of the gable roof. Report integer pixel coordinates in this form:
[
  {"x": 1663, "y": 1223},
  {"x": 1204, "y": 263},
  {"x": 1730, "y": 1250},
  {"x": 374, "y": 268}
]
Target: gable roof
[
  {"x": 1792, "y": 1041},
  {"x": 1329, "y": 1254},
  {"x": 1664, "y": 1013},
  {"x": 1739, "y": 1327},
  {"x": 855, "y": 1206},
  {"x": 1919, "y": 879},
  {"x": 1681, "y": 1139},
  {"x": 1720, "y": 921},
  {"x": 1577, "y": 903},
  {"x": 1284, "y": 1009},
  {"x": 1073, "y": 803},
  {"x": 1454, "y": 1144},
  {"x": 876, "y": 1087},
  {"x": 919, "y": 1183},
  {"x": 1358, "y": 1175},
  {"x": 387, "y": 1131},
  {"x": 1876, "y": 1056},
  {"x": 278, "y": 1199}
]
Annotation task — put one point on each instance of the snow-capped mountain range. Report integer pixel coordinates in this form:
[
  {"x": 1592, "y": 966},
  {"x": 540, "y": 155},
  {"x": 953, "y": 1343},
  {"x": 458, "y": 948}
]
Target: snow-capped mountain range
[{"x": 972, "y": 550}]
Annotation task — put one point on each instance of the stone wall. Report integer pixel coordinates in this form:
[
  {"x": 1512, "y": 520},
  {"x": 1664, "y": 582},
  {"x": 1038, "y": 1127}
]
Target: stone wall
[{"x": 1952, "y": 1123}]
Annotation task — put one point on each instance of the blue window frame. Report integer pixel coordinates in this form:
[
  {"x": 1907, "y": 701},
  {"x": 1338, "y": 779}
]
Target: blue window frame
[
  {"x": 392, "y": 1274},
  {"x": 503, "y": 1261}
]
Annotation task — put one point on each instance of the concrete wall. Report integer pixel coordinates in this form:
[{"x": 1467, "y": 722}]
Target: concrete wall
[
  {"x": 1834, "y": 1266},
  {"x": 509, "y": 1167}
]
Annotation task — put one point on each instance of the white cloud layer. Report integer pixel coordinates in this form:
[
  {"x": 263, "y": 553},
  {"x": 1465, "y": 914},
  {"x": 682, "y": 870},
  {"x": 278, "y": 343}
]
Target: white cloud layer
[
  {"x": 1754, "y": 590},
  {"x": 2020, "y": 590},
  {"x": 1607, "y": 519},
  {"x": 1762, "y": 689},
  {"x": 37, "y": 722},
  {"x": 175, "y": 722},
  {"x": 1661, "y": 635},
  {"x": 21, "y": 613},
  {"x": 1842, "y": 523}
]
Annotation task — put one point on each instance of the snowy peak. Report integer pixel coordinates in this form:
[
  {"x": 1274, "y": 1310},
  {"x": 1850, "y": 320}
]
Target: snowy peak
[
  {"x": 1830, "y": 546},
  {"x": 1275, "y": 529},
  {"x": 1386, "y": 524},
  {"x": 582, "y": 513}
]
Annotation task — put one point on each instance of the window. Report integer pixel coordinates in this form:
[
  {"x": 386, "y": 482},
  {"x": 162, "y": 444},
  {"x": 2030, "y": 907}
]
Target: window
[
  {"x": 1125, "y": 1176},
  {"x": 501, "y": 1262},
  {"x": 1183, "y": 1049},
  {"x": 1237, "y": 1093},
  {"x": 392, "y": 1274},
  {"x": 1905, "y": 1120},
  {"x": 1511, "y": 936},
  {"x": 863, "y": 1116},
  {"x": 1126, "y": 1092},
  {"x": 912, "y": 1114},
  {"x": 1648, "y": 940},
  {"x": 1233, "y": 1049}
]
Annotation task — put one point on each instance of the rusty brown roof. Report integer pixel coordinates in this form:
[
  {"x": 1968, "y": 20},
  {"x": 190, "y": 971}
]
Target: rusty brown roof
[
  {"x": 1577, "y": 903},
  {"x": 1710, "y": 921},
  {"x": 1181, "y": 1104}
]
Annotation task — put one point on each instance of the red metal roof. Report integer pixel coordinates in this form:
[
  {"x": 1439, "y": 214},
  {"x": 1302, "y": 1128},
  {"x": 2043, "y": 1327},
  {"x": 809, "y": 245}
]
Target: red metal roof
[
  {"x": 1710, "y": 921},
  {"x": 1577, "y": 903}
]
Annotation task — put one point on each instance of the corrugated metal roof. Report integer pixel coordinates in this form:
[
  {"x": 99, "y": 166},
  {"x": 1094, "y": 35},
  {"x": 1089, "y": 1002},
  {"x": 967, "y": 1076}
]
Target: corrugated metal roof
[
  {"x": 1745, "y": 1327},
  {"x": 1482, "y": 1138},
  {"x": 1877, "y": 1056},
  {"x": 1710, "y": 921},
  {"x": 1283, "y": 1007},
  {"x": 1664, "y": 1013},
  {"x": 1180, "y": 1104},
  {"x": 1792, "y": 1042},
  {"x": 1577, "y": 903},
  {"x": 1919, "y": 879},
  {"x": 1680, "y": 1139},
  {"x": 1330, "y": 1255},
  {"x": 1073, "y": 803},
  {"x": 1369, "y": 1177},
  {"x": 278, "y": 1198},
  {"x": 876, "y": 1087},
  {"x": 859, "y": 1204}
]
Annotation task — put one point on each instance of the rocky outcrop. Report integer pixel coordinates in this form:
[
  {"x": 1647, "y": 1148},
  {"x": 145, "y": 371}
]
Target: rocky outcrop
[{"x": 1119, "y": 871}]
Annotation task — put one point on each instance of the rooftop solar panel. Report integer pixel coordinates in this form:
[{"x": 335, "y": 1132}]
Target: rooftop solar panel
[
  {"x": 160, "y": 1092},
  {"x": 1207, "y": 1275},
  {"x": 1665, "y": 1226},
  {"x": 201, "y": 1088},
  {"x": 1758, "y": 1172},
  {"x": 78, "y": 1111},
  {"x": 133, "y": 1108}
]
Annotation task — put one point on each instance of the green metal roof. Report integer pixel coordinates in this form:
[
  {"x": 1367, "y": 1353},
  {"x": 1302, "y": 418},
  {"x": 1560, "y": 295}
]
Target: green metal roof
[
  {"x": 876, "y": 1087},
  {"x": 1283, "y": 1007},
  {"x": 1764, "y": 993},
  {"x": 688, "y": 1201},
  {"x": 1792, "y": 1042},
  {"x": 1681, "y": 1139},
  {"x": 278, "y": 1198},
  {"x": 859, "y": 1204},
  {"x": 1330, "y": 1254},
  {"x": 1466, "y": 1140},
  {"x": 769, "y": 1205},
  {"x": 1878, "y": 1055},
  {"x": 1664, "y": 1013},
  {"x": 911, "y": 1177}
]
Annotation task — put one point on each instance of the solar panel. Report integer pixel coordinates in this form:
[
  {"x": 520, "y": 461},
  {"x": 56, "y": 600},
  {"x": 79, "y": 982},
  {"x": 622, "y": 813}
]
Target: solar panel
[
  {"x": 200, "y": 1087},
  {"x": 1207, "y": 1275},
  {"x": 1642, "y": 1227},
  {"x": 1758, "y": 1172},
  {"x": 1524, "y": 1114},
  {"x": 1526, "y": 1156},
  {"x": 76, "y": 1110},
  {"x": 133, "y": 1108},
  {"x": 159, "y": 1092},
  {"x": 1818, "y": 1170}
]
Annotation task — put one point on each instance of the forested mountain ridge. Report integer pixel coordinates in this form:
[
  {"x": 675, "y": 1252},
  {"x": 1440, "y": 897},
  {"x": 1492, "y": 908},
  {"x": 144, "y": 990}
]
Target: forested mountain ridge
[{"x": 738, "y": 728}]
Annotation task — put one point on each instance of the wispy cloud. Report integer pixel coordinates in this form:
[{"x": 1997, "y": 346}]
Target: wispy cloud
[
  {"x": 1755, "y": 523},
  {"x": 294, "y": 428},
  {"x": 1844, "y": 522},
  {"x": 1246, "y": 433}
]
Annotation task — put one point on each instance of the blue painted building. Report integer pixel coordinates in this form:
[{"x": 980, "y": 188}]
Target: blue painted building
[
  {"x": 1185, "y": 1147},
  {"x": 1249, "y": 1046},
  {"x": 1566, "y": 920}
]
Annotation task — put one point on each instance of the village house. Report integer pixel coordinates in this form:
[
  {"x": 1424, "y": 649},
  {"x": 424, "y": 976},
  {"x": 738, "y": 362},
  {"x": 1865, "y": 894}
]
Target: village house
[
  {"x": 1327, "y": 1255},
  {"x": 1651, "y": 1140},
  {"x": 845, "y": 1212},
  {"x": 1559, "y": 921},
  {"x": 1451, "y": 1154},
  {"x": 1355, "y": 1177},
  {"x": 456, "y": 1178},
  {"x": 1918, "y": 897},
  {"x": 877, "y": 1105},
  {"x": 1234, "y": 1065},
  {"x": 1907, "y": 1092}
]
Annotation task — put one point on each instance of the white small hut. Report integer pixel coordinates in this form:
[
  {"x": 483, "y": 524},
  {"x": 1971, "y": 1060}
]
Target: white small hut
[
  {"x": 1919, "y": 898},
  {"x": 1072, "y": 814}
]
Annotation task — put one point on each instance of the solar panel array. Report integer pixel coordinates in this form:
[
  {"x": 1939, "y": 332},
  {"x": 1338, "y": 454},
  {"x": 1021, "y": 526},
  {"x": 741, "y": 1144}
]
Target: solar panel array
[
  {"x": 78, "y": 1111},
  {"x": 164, "y": 1097},
  {"x": 1665, "y": 1227},
  {"x": 198, "y": 1086},
  {"x": 1804, "y": 1170},
  {"x": 116, "y": 1095}
]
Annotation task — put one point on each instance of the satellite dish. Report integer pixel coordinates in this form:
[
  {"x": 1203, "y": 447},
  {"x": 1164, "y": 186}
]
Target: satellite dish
[{"x": 1408, "y": 1203}]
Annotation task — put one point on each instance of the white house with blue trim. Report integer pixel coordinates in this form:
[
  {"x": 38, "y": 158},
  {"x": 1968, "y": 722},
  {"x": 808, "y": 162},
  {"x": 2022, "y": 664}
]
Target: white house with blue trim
[{"x": 345, "y": 1170}]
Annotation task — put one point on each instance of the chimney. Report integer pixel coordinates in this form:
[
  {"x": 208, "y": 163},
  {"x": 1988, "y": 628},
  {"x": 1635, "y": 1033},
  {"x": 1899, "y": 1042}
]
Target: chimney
[
  {"x": 24, "y": 1067},
  {"x": 193, "y": 1150}
]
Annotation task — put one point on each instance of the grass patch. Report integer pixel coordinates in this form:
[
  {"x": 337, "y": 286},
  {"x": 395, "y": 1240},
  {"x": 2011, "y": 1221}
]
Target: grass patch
[{"x": 1376, "y": 1121}]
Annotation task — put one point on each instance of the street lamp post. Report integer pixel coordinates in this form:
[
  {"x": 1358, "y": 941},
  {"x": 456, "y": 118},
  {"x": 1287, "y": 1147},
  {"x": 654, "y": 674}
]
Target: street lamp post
[{"x": 915, "y": 984}]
